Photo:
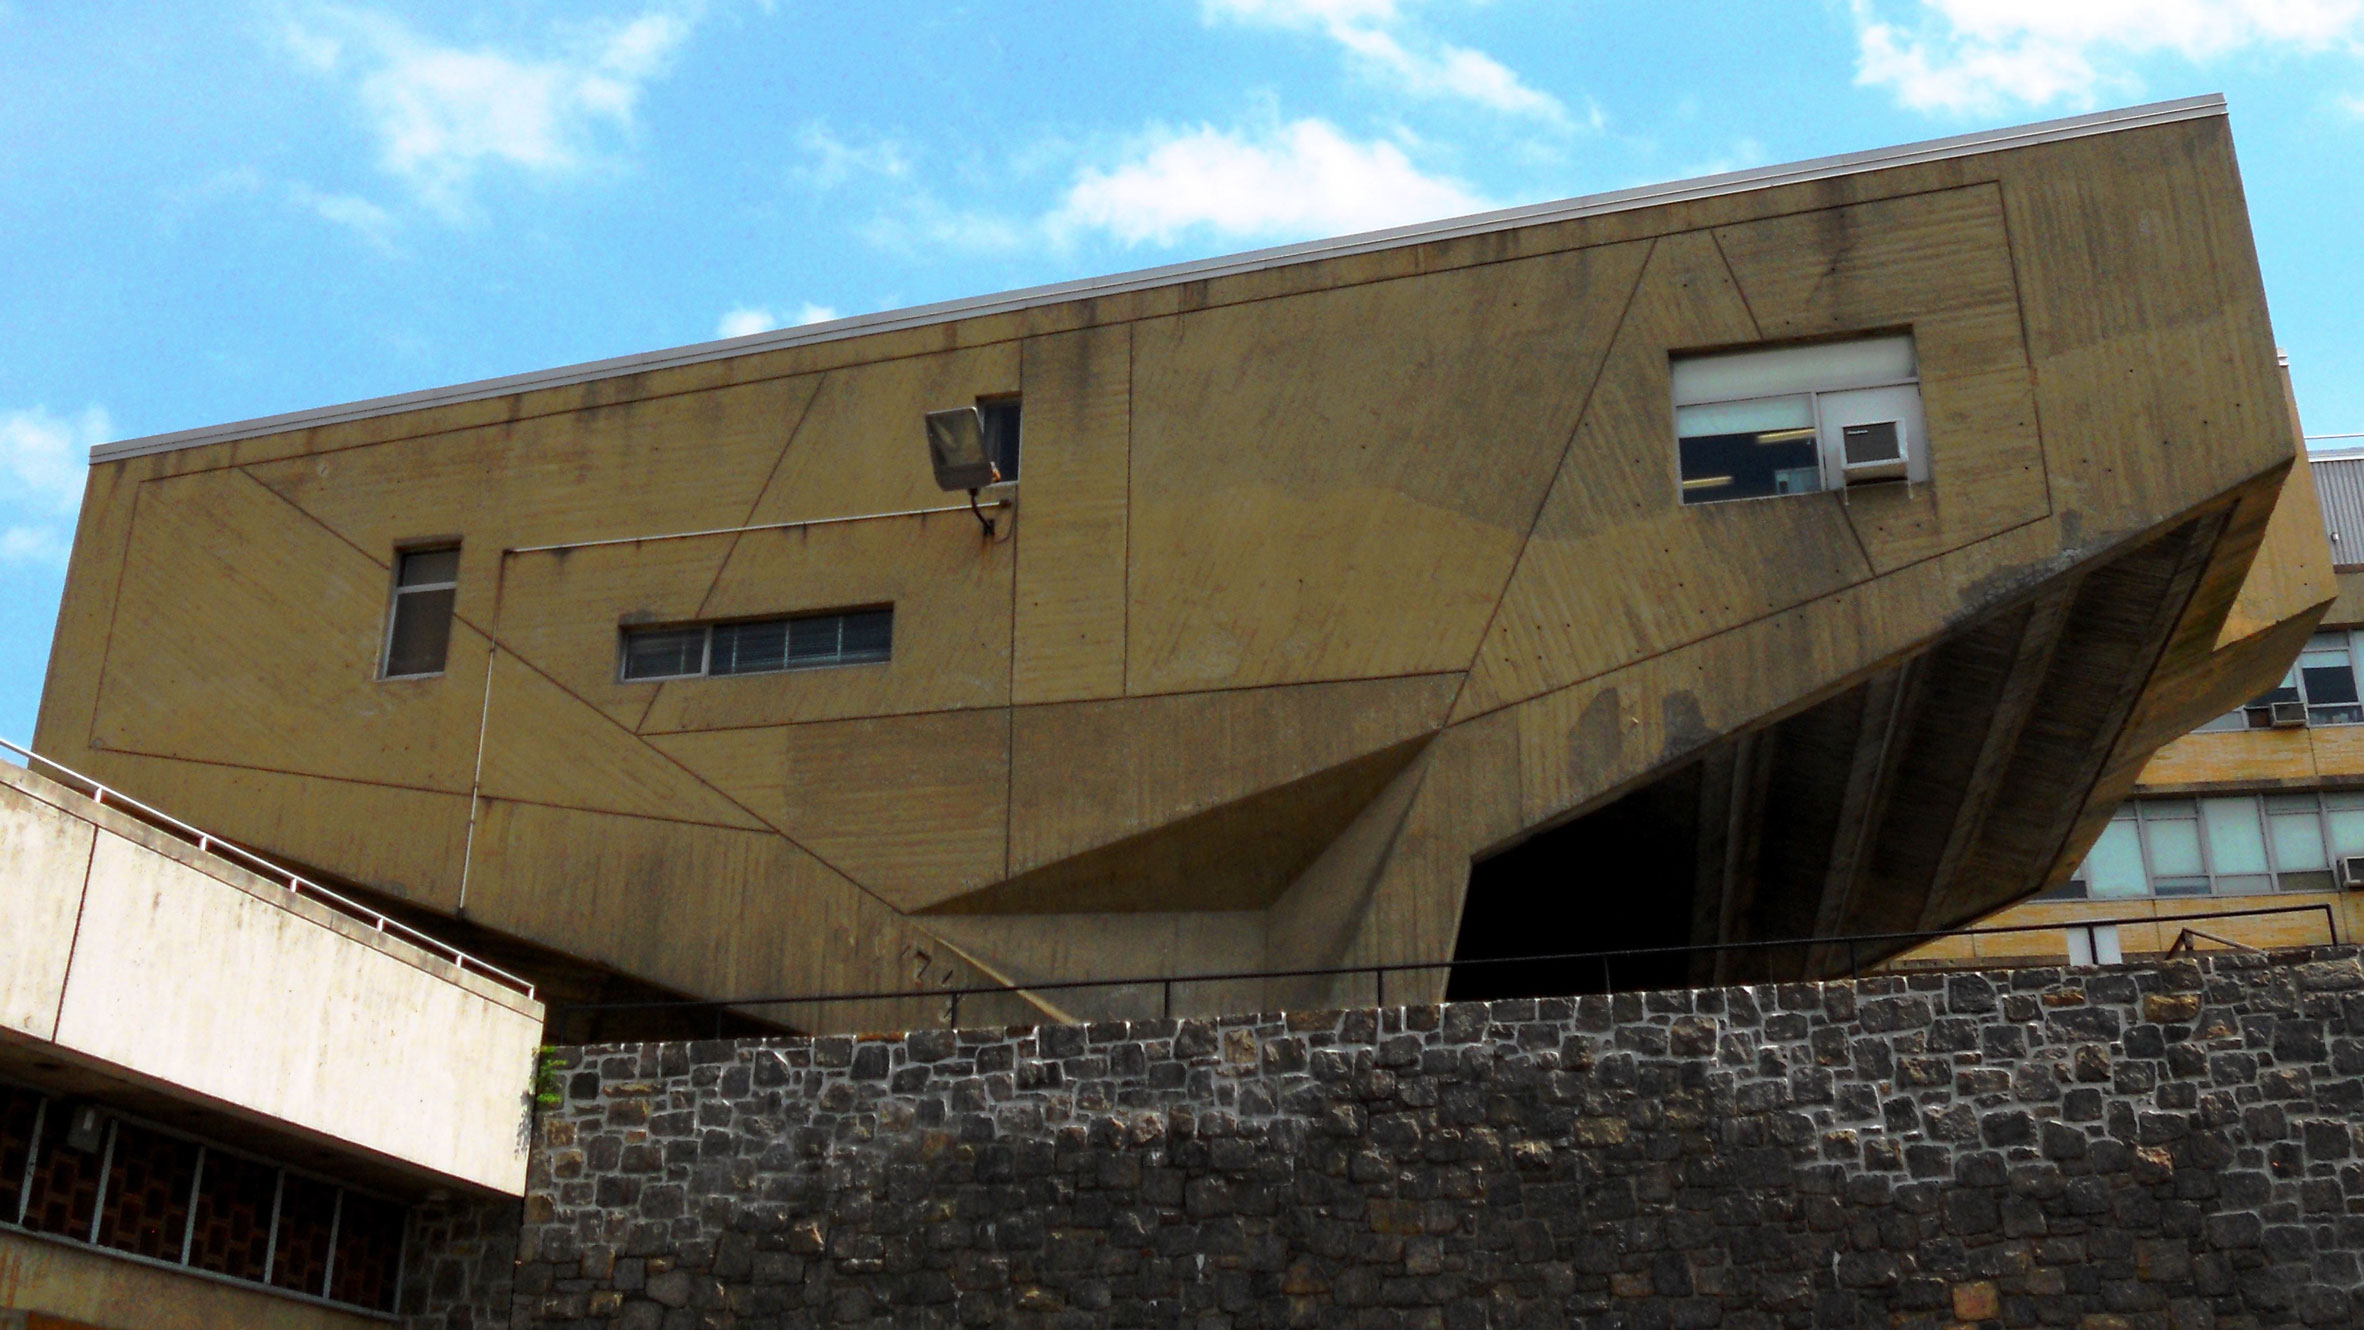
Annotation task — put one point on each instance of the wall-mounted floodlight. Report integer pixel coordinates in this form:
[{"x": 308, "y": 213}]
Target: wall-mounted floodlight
[{"x": 956, "y": 447}]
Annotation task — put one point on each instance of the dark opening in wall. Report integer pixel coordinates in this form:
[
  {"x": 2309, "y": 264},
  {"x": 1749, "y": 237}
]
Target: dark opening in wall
[{"x": 1619, "y": 877}]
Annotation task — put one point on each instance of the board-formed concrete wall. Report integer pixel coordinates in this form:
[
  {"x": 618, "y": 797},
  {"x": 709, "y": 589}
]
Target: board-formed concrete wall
[{"x": 2170, "y": 1145}]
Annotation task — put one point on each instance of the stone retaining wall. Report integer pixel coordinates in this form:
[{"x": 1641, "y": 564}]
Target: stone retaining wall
[{"x": 2168, "y": 1146}]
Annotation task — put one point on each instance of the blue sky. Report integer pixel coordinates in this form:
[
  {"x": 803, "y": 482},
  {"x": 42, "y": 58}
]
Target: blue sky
[{"x": 214, "y": 212}]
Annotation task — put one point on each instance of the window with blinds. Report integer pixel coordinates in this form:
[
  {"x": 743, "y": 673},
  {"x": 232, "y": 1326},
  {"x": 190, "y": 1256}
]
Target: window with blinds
[{"x": 759, "y": 646}]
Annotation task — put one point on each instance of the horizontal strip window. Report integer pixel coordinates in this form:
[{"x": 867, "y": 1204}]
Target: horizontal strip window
[
  {"x": 2320, "y": 689},
  {"x": 760, "y": 646},
  {"x": 74, "y": 1171},
  {"x": 2233, "y": 845}
]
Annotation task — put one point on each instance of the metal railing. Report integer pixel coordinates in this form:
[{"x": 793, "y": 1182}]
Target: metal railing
[
  {"x": 1855, "y": 946},
  {"x": 296, "y": 883}
]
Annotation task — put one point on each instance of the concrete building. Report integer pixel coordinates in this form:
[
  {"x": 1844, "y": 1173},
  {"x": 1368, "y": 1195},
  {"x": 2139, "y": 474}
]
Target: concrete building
[
  {"x": 1813, "y": 551},
  {"x": 2248, "y": 831},
  {"x": 223, "y": 1092}
]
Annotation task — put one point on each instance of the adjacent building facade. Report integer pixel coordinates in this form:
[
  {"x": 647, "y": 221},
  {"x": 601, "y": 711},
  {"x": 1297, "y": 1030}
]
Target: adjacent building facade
[
  {"x": 1815, "y": 551},
  {"x": 2250, "y": 830}
]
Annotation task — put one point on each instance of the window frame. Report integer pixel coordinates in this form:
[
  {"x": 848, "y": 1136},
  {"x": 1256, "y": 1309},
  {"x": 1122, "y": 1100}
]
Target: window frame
[
  {"x": 48, "y": 1100},
  {"x": 1828, "y": 441},
  {"x": 2079, "y": 884},
  {"x": 402, "y": 553},
  {"x": 706, "y": 629},
  {"x": 2257, "y": 713},
  {"x": 1007, "y": 408}
]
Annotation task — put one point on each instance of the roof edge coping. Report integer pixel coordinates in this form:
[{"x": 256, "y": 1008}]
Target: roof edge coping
[{"x": 1307, "y": 251}]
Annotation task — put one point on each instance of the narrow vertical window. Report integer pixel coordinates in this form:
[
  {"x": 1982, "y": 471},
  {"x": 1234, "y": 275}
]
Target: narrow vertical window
[
  {"x": 1001, "y": 434},
  {"x": 418, "y": 631}
]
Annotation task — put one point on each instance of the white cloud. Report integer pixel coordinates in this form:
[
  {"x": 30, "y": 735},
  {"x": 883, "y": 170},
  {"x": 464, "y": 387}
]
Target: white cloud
[
  {"x": 833, "y": 161},
  {"x": 745, "y": 320},
  {"x": 44, "y": 459},
  {"x": 364, "y": 218},
  {"x": 1296, "y": 180},
  {"x": 1981, "y": 55},
  {"x": 1377, "y": 36},
  {"x": 442, "y": 114}
]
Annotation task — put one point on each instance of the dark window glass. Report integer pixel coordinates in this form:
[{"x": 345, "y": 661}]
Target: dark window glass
[
  {"x": 750, "y": 648},
  {"x": 2071, "y": 890},
  {"x": 65, "y": 1181},
  {"x": 148, "y": 1179},
  {"x": 307, "y": 1210},
  {"x": 19, "y": 1109},
  {"x": 420, "y": 635},
  {"x": 2330, "y": 684},
  {"x": 233, "y": 1216},
  {"x": 664, "y": 653},
  {"x": 422, "y": 568},
  {"x": 815, "y": 640},
  {"x": 761, "y": 646},
  {"x": 869, "y": 636},
  {"x": 1001, "y": 435},
  {"x": 369, "y": 1252},
  {"x": 1748, "y": 450}
]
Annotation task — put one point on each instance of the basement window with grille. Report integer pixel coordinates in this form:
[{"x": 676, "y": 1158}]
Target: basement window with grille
[
  {"x": 1799, "y": 419},
  {"x": 73, "y": 1171},
  {"x": 418, "y": 626},
  {"x": 759, "y": 646}
]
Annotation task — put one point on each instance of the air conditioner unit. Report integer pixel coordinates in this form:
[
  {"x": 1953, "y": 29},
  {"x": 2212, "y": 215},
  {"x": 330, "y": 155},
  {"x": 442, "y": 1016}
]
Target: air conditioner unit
[
  {"x": 2351, "y": 872},
  {"x": 1872, "y": 451},
  {"x": 2290, "y": 715}
]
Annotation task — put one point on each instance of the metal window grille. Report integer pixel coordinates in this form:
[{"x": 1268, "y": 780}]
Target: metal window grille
[{"x": 159, "y": 1196}]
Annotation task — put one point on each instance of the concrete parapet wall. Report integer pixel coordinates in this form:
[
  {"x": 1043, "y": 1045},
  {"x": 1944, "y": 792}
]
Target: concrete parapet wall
[
  {"x": 2153, "y": 1146},
  {"x": 133, "y": 952}
]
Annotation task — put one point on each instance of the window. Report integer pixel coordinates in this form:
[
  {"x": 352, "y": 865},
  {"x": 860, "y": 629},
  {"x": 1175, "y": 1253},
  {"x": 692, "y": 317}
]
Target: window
[
  {"x": 418, "y": 631},
  {"x": 1001, "y": 434},
  {"x": 760, "y": 646},
  {"x": 156, "y": 1194},
  {"x": 2323, "y": 682},
  {"x": 1798, "y": 419},
  {"x": 2231, "y": 845}
]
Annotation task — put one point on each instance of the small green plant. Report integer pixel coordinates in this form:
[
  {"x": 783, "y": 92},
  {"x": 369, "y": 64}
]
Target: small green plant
[{"x": 549, "y": 1079}]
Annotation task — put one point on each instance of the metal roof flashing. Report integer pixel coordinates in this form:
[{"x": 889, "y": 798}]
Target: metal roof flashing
[{"x": 1310, "y": 251}]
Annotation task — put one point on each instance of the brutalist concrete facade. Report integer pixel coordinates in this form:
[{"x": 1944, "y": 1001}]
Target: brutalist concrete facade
[{"x": 2172, "y": 1145}]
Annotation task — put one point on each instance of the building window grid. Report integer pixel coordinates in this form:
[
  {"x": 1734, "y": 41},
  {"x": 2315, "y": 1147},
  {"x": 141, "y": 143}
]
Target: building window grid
[
  {"x": 2323, "y": 679},
  {"x": 689, "y": 651},
  {"x": 28, "y": 1175},
  {"x": 2279, "y": 873}
]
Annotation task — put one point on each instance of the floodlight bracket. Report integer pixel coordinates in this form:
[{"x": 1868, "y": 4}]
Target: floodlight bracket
[{"x": 982, "y": 519}]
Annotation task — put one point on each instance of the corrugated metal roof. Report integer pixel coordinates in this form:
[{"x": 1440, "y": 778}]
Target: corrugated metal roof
[
  {"x": 2339, "y": 483},
  {"x": 1311, "y": 251}
]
